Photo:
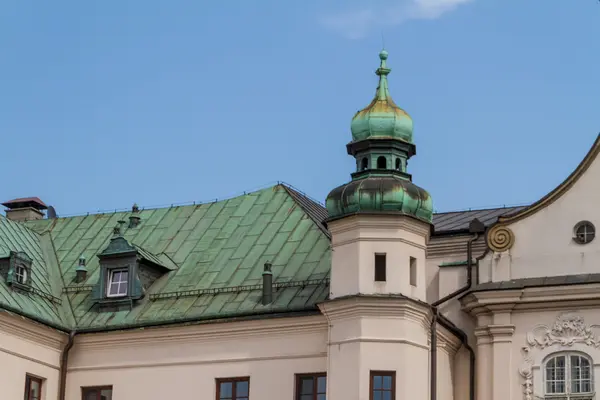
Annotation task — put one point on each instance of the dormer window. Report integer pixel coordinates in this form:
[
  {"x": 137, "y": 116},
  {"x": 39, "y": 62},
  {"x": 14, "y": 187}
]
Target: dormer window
[
  {"x": 19, "y": 270},
  {"x": 118, "y": 280},
  {"x": 21, "y": 274},
  {"x": 126, "y": 272}
]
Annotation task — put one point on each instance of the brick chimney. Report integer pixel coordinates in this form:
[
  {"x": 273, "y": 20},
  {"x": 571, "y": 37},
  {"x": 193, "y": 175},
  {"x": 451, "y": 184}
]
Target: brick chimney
[{"x": 25, "y": 209}]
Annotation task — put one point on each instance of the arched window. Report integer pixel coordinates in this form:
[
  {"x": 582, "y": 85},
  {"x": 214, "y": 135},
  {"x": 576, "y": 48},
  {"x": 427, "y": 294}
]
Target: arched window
[
  {"x": 398, "y": 164},
  {"x": 568, "y": 376},
  {"x": 381, "y": 162},
  {"x": 364, "y": 164}
]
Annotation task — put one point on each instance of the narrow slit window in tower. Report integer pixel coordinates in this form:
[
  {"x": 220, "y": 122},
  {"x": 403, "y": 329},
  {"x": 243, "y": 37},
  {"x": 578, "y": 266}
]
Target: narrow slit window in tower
[
  {"x": 380, "y": 267},
  {"x": 364, "y": 164},
  {"x": 381, "y": 163},
  {"x": 398, "y": 164},
  {"x": 413, "y": 271}
]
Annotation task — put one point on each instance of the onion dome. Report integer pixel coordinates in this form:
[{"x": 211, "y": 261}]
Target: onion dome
[
  {"x": 382, "y": 117},
  {"x": 380, "y": 194},
  {"x": 381, "y": 144}
]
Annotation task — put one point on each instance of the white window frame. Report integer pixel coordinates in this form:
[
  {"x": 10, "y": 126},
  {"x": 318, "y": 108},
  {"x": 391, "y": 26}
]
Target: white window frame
[
  {"x": 21, "y": 277},
  {"x": 110, "y": 281},
  {"x": 567, "y": 395}
]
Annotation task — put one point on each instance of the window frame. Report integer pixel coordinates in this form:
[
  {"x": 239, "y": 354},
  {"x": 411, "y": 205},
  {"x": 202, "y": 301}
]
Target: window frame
[
  {"x": 234, "y": 380},
  {"x": 567, "y": 394},
  {"x": 109, "y": 281},
  {"x": 591, "y": 234},
  {"x": 28, "y": 379},
  {"x": 99, "y": 389},
  {"x": 315, "y": 376},
  {"x": 375, "y": 373}
]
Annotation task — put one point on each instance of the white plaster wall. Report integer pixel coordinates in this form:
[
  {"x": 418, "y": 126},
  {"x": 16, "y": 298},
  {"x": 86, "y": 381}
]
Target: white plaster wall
[
  {"x": 184, "y": 362},
  {"x": 28, "y": 348},
  {"x": 543, "y": 241},
  {"x": 356, "y": 240}
]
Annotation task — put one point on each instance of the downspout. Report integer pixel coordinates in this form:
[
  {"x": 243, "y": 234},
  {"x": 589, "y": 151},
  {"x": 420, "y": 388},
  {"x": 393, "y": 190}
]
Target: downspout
[
  {"x": 64, "y": 361},
  {"x": 476, "y": 228}
]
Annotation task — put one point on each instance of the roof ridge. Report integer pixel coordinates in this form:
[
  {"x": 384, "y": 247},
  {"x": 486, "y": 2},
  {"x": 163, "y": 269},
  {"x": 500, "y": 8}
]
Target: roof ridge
[
  {"x": 315, "y": 210},
  {"x": 504, "y": 207}
]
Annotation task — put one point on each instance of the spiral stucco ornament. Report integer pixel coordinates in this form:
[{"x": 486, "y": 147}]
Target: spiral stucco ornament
[{"x": 500, "y": 238}]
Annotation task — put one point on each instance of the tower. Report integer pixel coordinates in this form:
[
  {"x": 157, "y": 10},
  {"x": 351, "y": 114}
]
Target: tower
[{"x": 380, "y": 224}]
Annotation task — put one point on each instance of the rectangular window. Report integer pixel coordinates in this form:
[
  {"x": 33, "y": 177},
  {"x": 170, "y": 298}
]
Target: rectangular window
[
  {"x": 311, "y": 386},
  {"x": 117, "y": 282},
  {"x": 33, "y": 388},
  {"x": 380, "y": 267},
  {"x": 413, "y": 271},
  {"x": 383, "y": 385},
  {"x": 96, "y": 393},
  {"x": 233, "y": 388}
]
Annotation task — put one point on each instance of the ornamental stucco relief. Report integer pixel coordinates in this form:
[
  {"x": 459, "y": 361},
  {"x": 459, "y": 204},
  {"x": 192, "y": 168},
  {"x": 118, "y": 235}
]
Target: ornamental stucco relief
[
  {"x": 567, "y": 330},
  {"x": 500, "y": 238}
]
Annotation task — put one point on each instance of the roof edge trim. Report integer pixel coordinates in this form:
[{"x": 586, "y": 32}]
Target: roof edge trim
[{"x": 557, "y": 192}]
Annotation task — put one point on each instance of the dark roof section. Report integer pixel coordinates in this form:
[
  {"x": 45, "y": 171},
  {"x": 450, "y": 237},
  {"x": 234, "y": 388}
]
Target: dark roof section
[
  {"x": 316, "y": 211},
  {"x": 458, "y": 221},
  {"x": 580, "y": 279},
  {"x": 34, "y": 202},
  {"x": 444, "y": 223}
]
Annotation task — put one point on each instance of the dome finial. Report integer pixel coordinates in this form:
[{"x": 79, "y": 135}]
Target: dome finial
[{"x": 383, "y": 71}]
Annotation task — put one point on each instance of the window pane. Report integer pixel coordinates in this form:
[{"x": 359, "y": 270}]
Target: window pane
[
  {"x": 387, "y": 395},
  {"x": 106, "y": 394},
  {"x": 321, "y": 384},
  {"x": 114, "y": 288},
  {"x": 387, "y": 382},
  {"x": 34, "y": 391},
  {"x": 377, "y": 382},
  {"x": 226, "y": 390},
  {"x": 307, "y": 386},
  {"x": 321, "y": 397},
  {"x": 241, "y": 389},
  {"x": 377, "y": 395},
  {"x": 306, "y": 397},
  {"x": 90, "y": 395}
]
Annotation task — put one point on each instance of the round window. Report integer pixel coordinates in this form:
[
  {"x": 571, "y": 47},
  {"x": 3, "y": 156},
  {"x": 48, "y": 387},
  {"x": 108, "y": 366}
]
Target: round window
[{"x": 585, "y": 232}]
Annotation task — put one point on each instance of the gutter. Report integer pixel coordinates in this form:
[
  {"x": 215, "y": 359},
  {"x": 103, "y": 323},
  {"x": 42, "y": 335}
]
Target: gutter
[
  {"x": 476, "y": 228},
  {"x": 64, "y": 361}
]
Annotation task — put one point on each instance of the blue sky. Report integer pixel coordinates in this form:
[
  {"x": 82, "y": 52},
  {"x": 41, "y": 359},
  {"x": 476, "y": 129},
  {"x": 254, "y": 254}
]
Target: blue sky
[{"x": 108, "y": 103}]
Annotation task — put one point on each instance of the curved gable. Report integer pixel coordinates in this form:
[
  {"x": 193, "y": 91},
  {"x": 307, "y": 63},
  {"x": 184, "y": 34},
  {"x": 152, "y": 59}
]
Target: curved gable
[{"x": 559, "y": 190}]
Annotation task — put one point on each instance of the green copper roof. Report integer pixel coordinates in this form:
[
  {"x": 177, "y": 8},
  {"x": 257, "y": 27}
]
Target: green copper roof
[
  {"x": 382, "y": 117},
  {"x": 214, "y": 254},
  {"x": 45, "y": 300},
  {"x": 385, "y": 193}
]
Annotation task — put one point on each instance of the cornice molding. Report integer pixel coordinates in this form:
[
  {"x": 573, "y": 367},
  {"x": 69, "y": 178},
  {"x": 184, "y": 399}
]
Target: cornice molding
[
  {"x": 455, "y": 245},
  {"x": 394, "y": 222},
  {"x": 204, "y": 333},
  {"x": 380, "y": 340},
  {"x": 31, "y": 331},
  {"x": 567, "y": 330},
  {"x": 374, "y": 306},
  {"x": 534, "y": 298},
  {"x": 447, "y": 342},
  {"x": 162, "y": 364},
  {"x": 378, "y": 239}
]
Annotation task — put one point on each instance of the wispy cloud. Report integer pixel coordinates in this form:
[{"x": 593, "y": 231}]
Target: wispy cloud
[{"x": 358, "y": 22}]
